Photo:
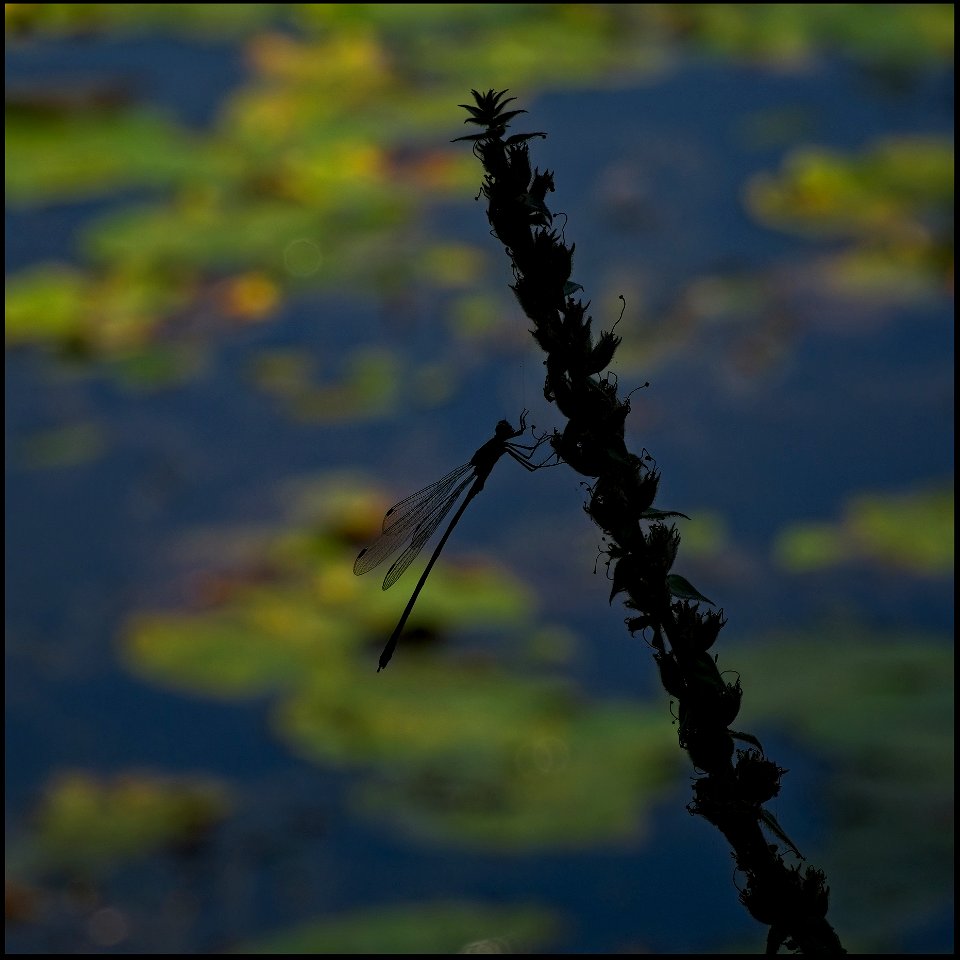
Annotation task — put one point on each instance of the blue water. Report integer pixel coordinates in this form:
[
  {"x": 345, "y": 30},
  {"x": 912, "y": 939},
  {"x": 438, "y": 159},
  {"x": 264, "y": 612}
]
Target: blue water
[{"x": 87, "y": 545}]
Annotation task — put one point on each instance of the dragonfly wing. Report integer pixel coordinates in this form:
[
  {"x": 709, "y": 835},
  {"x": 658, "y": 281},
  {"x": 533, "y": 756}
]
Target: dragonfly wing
[
  {"x": 424, "y": 532},
  {"x": 408, "y": 513},
  {"x": 404, "y": 520}
]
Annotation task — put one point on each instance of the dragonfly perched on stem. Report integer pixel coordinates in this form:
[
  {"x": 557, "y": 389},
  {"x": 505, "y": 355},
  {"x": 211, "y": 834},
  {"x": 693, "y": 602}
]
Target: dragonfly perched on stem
[{"x": 411, "y": 522}]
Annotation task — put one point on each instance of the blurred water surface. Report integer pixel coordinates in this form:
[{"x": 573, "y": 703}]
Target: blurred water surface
[{"x": 228, "y": 353}]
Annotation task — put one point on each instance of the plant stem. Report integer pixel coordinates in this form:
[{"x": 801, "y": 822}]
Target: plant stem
[{"x": 733, "y": 783}]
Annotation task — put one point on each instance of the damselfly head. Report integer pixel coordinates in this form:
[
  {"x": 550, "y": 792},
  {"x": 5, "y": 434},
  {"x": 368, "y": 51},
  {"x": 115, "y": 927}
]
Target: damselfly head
[{"x": 505, "y": 430}]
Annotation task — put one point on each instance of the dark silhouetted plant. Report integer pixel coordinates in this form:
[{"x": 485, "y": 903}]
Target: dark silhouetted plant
[{"x": 733, "y": 782}]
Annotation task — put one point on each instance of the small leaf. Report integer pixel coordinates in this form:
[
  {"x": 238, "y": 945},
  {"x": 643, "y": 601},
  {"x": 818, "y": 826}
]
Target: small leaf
[
  {"x": 521, "y": 137},
  {"x": 747, "y": 738},
  {"x": 685, "y": 590},
  {"x": 770, "y": 822},
  {"x": 570, "y": 288},
  {"x": 509, "y": 115},
  {"x": 654, "y": 514}
]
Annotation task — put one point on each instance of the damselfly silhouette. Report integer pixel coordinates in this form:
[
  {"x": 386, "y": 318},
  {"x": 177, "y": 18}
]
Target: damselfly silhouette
[{"x": 411, "y": 522}]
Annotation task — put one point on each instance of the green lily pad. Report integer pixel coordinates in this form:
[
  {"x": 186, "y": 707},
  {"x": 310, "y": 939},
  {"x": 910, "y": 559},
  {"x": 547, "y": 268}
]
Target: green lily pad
[
  {"x": 421, "y": 928},
  {"x": 85, "y": 825},
  {"x": 67, "y": 156},
  {"x": 912, "y": 532},
  {"x": 893, "y": 202},
  {"x": 530, "y": 778}
]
